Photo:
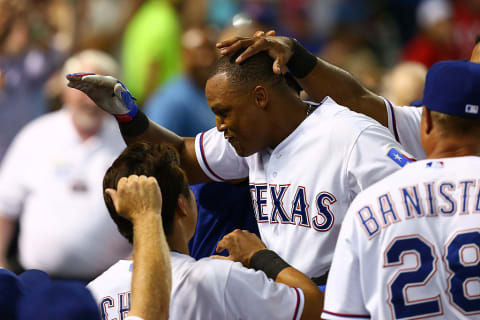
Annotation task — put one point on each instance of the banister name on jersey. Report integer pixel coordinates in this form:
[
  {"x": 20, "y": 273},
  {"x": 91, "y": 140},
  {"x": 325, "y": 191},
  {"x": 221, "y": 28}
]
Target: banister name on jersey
[
  {"x": 409, "y": 247},
  {"x": 302, "y": 188}
]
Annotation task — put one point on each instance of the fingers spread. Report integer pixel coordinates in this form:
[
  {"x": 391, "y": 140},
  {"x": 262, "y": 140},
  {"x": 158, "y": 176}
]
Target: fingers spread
[
  {"x": 228, "y": 42},
  {"x": 253, "y": 47}
]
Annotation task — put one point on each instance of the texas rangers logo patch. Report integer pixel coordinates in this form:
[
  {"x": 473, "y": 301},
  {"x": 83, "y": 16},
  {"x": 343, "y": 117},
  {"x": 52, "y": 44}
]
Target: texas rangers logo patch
[{"x": 399, "y": 157}]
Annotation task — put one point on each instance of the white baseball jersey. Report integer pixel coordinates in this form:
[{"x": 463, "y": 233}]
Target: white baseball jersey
[
  {"x": 204, "y": 289},
  {"x": 409, "y": 247},
  {"x": 302, "y": 188},
  {"x": 404, "y": 124}
]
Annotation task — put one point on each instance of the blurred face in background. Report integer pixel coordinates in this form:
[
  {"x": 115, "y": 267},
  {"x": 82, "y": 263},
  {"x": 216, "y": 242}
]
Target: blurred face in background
[
  {"x": 199, "y": 54},
  {"x": 86, "y": 116}
]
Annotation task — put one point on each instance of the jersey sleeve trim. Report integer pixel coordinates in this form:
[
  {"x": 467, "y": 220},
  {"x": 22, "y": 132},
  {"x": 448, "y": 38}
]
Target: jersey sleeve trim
[
  {"x": 297, "y": 307},
  {"x": 336, "y": 315},
  {"x": 204, "y": 159},
  {"x": 391, "y": 112}
]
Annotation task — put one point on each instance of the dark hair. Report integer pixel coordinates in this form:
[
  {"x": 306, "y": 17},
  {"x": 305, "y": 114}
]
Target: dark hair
[
  {"x": 158, "y": 160},
  {"x": 255, "y": 70},
  {"x": 457, "y": 125}
]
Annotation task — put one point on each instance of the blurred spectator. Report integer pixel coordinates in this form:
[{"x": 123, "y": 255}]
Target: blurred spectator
[
  {"x": 404, "y": 83},
  {"x": 180, "y": 105},
  {"x": 242, "y": 26},
  {"x": 466, "y": 20},
  {"x": 402, "y": 13},
  {"x": 97, "y": 30},
  {"x": 434, "y": 41},
  {"x": 349, "y": 50},
  {"x": 51, "y": 181},
  {"x": 27, "y": 59},
  {"x": 151, "y": 48}
]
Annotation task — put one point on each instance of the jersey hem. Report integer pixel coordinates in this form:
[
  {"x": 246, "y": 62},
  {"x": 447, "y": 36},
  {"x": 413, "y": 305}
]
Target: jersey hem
[{"x": 341, "y": 316}]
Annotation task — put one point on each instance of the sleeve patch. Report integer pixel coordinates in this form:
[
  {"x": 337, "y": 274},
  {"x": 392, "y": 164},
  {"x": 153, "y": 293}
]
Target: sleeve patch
[{"x": 398, "y": 157}]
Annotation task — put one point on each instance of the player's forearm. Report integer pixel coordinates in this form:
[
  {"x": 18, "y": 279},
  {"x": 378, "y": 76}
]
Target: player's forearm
[
  {"x": 313, "y": 296},
  {"x": 153, "y": 134},
  {"x": 152, "y": 278},
  {"x": 328, "y": 80},
  {"x": 185, "y": 147}
]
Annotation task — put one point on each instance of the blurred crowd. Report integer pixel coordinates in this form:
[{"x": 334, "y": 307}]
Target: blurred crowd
[
  {"x": 55, "y": 145},
  {"x": 369, "y": 38},
  {"x": 164, "y": 49}
]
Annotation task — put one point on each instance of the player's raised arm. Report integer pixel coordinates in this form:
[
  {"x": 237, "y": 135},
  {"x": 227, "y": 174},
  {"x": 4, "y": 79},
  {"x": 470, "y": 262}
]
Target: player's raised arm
[
  {"x": 138, "y": 198},
  {"x": 247, "y": 248},
  {"x": 113, "y": 97},
  {"x": 317, "y": 77}
]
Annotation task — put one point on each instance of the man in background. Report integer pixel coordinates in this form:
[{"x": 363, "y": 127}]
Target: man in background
[{"x": 50, "y": 181}]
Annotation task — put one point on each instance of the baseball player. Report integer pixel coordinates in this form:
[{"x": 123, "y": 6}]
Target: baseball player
[
  {"x": 321, "y": 79},
  {"x": 305, "y": 164},
  {"x": 418, "y": 231},
  {"x": 207, "y": 288}
]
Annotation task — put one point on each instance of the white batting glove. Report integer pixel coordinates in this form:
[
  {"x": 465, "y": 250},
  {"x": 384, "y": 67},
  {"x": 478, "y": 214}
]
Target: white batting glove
[{"x": 107, "y": 92}]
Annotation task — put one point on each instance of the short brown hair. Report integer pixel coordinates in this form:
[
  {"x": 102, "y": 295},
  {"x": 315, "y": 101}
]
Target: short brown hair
[{"x": 158, "y": 160}]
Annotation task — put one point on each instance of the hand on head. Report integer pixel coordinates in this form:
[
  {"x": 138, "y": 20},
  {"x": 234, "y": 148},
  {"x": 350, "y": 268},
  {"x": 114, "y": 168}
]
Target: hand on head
[
  {"x": 278, "y": 48},
  {"x": 136, "y": 197}
]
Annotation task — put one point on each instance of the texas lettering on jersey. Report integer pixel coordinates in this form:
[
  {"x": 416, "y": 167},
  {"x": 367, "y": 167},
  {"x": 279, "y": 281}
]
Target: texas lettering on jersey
[{"x": 298, "y": 212}]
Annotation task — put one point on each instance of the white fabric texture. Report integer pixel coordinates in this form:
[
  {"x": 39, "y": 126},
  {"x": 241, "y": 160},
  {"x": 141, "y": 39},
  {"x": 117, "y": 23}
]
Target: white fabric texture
[{"x": 206, "y": 289}]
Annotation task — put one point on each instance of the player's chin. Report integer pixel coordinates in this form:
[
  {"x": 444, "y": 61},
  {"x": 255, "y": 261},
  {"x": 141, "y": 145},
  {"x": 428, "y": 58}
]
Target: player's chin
[{"x": 241, "y": 151}]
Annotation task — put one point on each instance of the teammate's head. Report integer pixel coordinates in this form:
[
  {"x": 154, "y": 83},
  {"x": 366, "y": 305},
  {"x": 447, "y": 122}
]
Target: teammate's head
[
  {"x": 452, "y": 101},
  {"x": 241, "y": 96},
  {"x": 160, "y": 161}
]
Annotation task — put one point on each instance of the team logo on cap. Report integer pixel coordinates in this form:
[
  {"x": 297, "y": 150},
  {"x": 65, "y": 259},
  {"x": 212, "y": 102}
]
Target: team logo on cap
[{"x": 471, "y": 108}]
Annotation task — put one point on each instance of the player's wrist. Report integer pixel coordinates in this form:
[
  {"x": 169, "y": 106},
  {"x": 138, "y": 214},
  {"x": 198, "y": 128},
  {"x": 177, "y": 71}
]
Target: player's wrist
[
  {"x": 269, "y": 262},
  {"x": 302, "y": 61},
  {"x": 135, "y": 126}
]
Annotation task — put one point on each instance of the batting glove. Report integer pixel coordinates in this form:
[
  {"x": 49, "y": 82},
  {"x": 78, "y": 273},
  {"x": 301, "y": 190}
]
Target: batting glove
[{"x": 107, "y": 92}]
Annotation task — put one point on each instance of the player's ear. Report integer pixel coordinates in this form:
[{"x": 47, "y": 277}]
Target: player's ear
[
  {"x": 182, "y": 206},
  {"x": 426, "y": 122},
  {"x": 260, "y": 95}
]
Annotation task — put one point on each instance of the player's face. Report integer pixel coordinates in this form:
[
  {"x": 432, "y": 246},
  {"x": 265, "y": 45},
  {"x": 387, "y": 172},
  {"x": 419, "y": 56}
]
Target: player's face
[{"x": 236, "y": 115}]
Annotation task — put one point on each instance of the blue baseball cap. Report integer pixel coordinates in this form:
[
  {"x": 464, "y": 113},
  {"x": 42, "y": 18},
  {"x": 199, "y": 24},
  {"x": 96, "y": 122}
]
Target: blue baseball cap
[
  {"x": 11, "y": 292},
  {"x": 33, "y": 278},
  {"x": 453, "y": 87},
  {"x": 58, "y": 300}
]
